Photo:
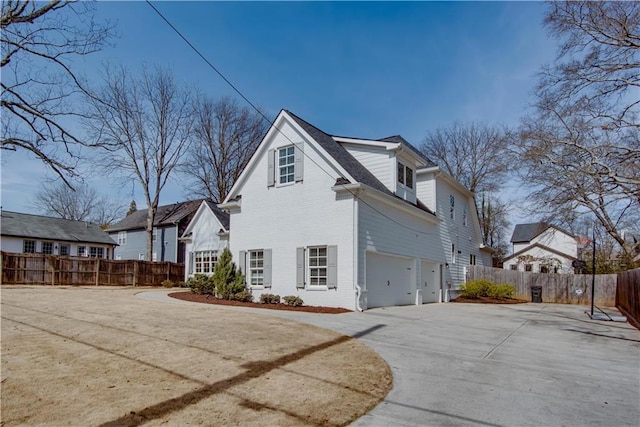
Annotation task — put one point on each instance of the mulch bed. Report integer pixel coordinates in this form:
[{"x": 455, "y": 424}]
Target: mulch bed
[
  {"x": 208, "y": 299},
  {"x": 487, "y": 300}
]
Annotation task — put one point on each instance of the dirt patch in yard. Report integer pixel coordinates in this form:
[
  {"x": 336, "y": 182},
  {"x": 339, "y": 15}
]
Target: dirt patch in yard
[
  {"x": 101, "y": 356},
  {"x": 208, "y": 299}
]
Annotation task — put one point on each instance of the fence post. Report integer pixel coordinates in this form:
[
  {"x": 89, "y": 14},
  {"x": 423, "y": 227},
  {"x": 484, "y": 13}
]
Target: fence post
[
  {"x": 135, "y": 272},
  {"x": 97, "y": 271}
]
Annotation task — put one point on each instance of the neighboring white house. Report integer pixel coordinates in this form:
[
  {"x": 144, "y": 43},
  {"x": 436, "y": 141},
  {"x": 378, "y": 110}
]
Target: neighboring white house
[
  {"x": 542, "y": 248},
  {"x": 26, "y": 233},
  {"x": 350, "y": 222},
  {"x": 205, "y": 237}
]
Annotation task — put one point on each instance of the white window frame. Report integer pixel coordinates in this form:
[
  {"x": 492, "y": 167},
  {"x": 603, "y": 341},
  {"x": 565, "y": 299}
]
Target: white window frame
[
  {"x": 96, "y": 252},
  {"x": 122, "y": 238},
  {"x": 140, "y": 257},
  {"x": 403, "y": 172},
  {"x": 453, "y": 253},
  {"x": 155, "y": 234},
  {"x": 82, "y": 250},
  {"x": 62, "y": 245},
  {"x": 256, "y": 268},
  {"x": 48, "y": 245},
  {"x": 204, "y": 261},
  {"x": 317, "y": 267},
  {"x": 31, "y": 244},
  {"x": 286, "y": 169},
  {"x": 464, "y": 215},
  {"x": 472, "y": 259}
]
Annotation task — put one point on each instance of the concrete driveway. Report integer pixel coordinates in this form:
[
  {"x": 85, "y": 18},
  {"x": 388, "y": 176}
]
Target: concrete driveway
[{"x": 497, "y": 365}]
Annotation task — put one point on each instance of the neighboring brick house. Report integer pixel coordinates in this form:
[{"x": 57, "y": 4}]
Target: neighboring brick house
[
  {"x": 26, "y": 233},
  {"x": 170, "y": 223},
  {"x": 350, "y": 222},
  {"x": 542, "y": 248}
]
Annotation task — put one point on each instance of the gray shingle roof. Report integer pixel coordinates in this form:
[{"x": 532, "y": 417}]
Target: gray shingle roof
[
  {"x": 527, "y": 232},
  {"x": 42, "y": 227},
  {"x": 400, "y": 140},
  {"x": 360, "y": 173},
  {"x": 222, "y": 216},
  {"x": 165, "y": 215}
]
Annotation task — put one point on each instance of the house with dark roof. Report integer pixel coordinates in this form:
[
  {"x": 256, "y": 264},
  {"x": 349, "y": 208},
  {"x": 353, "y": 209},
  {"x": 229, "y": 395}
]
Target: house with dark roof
[
  {"x": 206, "y": 235},
  {"x": 170, "y": 223},
  {"x": 542, "y": 248},
  {"x": 26, "y": 233},
  {"x": 350, "y": 222}
]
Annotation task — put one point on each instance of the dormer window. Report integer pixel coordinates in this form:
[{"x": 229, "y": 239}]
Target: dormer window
[{"x": 405, "y": 175}]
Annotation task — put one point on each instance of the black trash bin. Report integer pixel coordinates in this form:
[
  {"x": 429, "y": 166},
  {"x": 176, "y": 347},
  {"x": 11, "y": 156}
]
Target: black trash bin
[{"x": 536, "y": 294}]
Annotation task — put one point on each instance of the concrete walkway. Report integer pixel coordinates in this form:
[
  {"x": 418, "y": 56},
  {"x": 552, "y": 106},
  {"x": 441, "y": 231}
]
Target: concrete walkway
[{"x": 494, "y": 365}]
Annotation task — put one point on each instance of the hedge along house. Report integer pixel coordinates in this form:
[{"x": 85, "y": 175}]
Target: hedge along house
[
  {"x": 170, "y": 223},
  {"x": 205, "y": 237},
  {"x": 26, "y": 233},
  {"x": 350, "y": 222}
]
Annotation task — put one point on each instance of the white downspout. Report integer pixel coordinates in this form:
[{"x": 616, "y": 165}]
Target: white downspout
[{"x": 355, "y": 253}]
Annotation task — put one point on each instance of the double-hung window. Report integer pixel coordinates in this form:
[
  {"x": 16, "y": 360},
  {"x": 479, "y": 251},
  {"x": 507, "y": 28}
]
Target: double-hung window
[
  {"x": 122, "y": 238},
  {"x": 472, "y": 259},
  {"x": 286, "y": 164},
  {"x": 64, "y": 250},
  {"x": 29, "y": 246},
  {"x": 205, "y": 261},
  {"x": 82, "y": 251},
  {"x": 464, "y": 215},
  {"x": 452, "y": 207},
  {"x": 256, "y": 268},
  {"x": 47, "y": 248},
  {"x": 318, "y": 266},
  {"x": 96, "y": 252},
  {"x": 405, "y": 175}
]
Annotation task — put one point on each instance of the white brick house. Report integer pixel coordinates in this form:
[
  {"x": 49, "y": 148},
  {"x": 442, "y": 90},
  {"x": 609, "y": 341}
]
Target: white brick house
[{"x": 350, "y": 222}]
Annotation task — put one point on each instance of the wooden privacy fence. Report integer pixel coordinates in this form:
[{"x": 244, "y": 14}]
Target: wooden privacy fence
[
  {"x": 40, "y": 269},
  {"x": 628, "y": 295},
  {"x": 556, "y": 288}
]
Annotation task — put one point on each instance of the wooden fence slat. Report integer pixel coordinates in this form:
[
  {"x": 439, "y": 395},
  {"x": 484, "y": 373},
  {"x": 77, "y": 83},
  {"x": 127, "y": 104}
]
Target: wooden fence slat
[{"x": 40, "y": 269}]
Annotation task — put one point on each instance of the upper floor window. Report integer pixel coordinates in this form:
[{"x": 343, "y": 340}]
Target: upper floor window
[
  {"x": 405, "y": 175},
  {"x": 47, "y": 248},
  {"x": 286, "y": 164},
  {"x": 122, "y": 238},
  {"x": 464, "y": 215},
  {"x": 452, "y": 207},
  {"x": 155, "y": 234},
  {"x": 29, "y": 246}
]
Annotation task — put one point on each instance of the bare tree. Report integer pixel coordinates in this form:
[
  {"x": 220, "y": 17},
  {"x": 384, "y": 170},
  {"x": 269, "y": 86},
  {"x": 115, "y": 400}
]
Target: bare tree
[
  {"x": 225, "y": 137},
  {"x": 477, "y": 156},
  {"x": 39, "y": 41},
  {"x": 474, "y": 154},
  {"x": 145, "y": 123},
  {"x": 580, "y": 147},
  {"x": 82, "y": 203}
]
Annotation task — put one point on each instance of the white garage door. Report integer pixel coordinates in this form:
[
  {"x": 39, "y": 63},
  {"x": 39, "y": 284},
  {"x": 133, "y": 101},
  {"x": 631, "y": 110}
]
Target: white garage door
[
  {"x": 390, "y": 280},
  {"x": 430, "y": 283}
]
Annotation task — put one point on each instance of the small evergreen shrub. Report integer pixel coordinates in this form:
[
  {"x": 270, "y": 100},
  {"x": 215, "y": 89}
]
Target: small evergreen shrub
[
  {"x": 168, "y": 283},
  {"x": 244, "y": 296},
  {"x": 270, "y": 299},
  {"x": 201, "y": 284},
  {"x": 502, "y": 291},
  {"x": 227, "y": 277},
  {"x": 293, "y": 300},
  {"x": 476, "y": 288}
]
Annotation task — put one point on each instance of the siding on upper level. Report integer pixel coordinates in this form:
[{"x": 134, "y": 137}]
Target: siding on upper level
[
  {"x": 378, "y": 160},
  {"x": 164, "y": 246}
]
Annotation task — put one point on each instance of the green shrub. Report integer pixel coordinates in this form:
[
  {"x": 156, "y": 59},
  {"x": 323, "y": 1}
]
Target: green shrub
[
  {"x": 181, "y": 285},
  {"x": 168, "y": 283},
  {"x": 201, "y": 284},
  {"x": 244, "y": 296},
  {"x": 293, "y": 300},
  {"x": 270, "y": 299},
  {"x": 502, "y": 291},
  {"x": 227, "y": 278},
  {"x": 476, "y": 288}
]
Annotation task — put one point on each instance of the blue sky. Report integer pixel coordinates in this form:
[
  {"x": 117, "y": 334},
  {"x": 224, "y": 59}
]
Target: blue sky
[{"x": 355, "y": 69}]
